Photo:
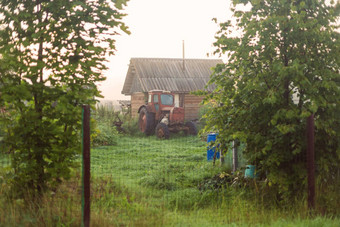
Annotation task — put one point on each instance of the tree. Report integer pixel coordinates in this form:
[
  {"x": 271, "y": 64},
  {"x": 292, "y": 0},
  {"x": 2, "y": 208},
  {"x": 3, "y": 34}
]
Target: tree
[
  {"x": 52, "y": 54},
  {"x": 283, "y": 65}
]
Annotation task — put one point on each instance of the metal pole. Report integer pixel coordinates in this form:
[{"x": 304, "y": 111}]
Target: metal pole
[
  {"x": 183, "y": 57},
  {"x": 86, "y": 167},
  {"x": 310, "y": 162},
  {"x": 235, "y": 160}
]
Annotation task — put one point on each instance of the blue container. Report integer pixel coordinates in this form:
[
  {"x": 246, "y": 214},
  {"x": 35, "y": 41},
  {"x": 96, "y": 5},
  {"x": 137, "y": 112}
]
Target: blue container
[
  {"x": 250, "y": 171},
  {"x": 211, "y": 150}
]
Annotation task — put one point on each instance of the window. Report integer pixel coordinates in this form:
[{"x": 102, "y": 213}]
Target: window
[
  {"x": 167, "y": 99},
  {"x": 155, "y": 98},
  {"x": 176, "y": 100},
  {"x": 155, "y": 101}
]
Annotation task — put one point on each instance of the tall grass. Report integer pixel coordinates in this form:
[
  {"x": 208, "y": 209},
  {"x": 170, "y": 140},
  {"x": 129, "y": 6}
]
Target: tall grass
[{"x": 52, "y": 209}]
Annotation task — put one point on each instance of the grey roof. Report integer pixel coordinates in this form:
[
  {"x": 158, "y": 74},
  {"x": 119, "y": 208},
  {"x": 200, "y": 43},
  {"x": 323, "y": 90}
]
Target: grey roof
[{"x": 146, "y": 74}]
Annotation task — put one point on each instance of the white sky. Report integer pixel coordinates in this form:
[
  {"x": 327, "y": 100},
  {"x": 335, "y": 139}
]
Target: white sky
[{"x": 157, "y": 30}]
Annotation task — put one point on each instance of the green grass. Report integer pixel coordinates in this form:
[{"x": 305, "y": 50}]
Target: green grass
[
  {"x": 163, "y": 177},
  {"x": 143, "y": 181}
]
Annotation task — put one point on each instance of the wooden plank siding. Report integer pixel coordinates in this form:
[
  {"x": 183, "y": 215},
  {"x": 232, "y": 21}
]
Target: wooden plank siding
[
  {"x": 137, "y": 99},
  {"x": 192, "y": 106}
]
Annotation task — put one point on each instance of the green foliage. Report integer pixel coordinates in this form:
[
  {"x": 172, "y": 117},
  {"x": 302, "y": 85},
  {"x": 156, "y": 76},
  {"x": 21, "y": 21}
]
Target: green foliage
[
  {"x": 108, "y": 123},
  {"x": 130, "y": 126},
  {"x": 202, "y": 114},
  {"x": 103, "y": 129},
  {"x": 105, "y": 134},
  {"x": 52, "y": 53},
  {"x": 280, "y": 52}
]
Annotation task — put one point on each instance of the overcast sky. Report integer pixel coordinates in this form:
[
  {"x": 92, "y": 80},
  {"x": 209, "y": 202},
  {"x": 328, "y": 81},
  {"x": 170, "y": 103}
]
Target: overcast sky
[{"x": 157, "y": 30}]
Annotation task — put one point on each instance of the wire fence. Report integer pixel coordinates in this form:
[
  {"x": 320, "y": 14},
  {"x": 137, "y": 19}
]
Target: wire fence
[
  {"x": 171, "y": 172},
  {"x": 139, "y": 177}
]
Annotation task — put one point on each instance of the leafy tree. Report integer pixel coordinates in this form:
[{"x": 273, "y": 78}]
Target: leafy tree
[
  {"x": 52, "y": 54},
  {"x": 283, "y": 65}
]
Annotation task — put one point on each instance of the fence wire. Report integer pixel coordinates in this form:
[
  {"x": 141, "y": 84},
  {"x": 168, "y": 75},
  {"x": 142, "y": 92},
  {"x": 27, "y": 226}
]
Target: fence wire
[{"x": 169, "y": 174}]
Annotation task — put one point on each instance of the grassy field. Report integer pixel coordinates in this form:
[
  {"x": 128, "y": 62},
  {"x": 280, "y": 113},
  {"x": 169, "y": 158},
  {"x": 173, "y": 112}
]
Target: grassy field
[{"x": 143, "y": 181}]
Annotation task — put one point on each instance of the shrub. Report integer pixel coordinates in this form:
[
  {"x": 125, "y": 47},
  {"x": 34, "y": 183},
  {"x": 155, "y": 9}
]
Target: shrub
[
  {"x": 103, "y": 130},
  {"x": 104, "y": 134},
  {"x": 130, "y": 126}
]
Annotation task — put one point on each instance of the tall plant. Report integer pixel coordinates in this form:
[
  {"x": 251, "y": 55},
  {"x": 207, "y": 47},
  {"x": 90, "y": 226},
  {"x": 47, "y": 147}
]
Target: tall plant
[
  {"x": 52, "y": 54},
  {"x": 283, "y": 64}
]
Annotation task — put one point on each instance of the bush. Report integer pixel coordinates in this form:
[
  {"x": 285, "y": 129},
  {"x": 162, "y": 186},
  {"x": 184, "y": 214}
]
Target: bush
[
  {"x": 104, "y": 134},
  {"x": 108, "y": 123},
  {"x": 103, "y": 130},
  {"x": 130, "y": 126}
]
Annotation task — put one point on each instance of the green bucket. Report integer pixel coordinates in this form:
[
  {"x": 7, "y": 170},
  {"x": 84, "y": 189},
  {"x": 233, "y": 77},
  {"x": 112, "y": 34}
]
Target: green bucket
[{"x": 250, "y": 171}]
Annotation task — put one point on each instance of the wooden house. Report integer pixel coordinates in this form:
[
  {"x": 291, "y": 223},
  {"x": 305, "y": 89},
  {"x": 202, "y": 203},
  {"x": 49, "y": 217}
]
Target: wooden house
[{"x": 179, "y": 76}]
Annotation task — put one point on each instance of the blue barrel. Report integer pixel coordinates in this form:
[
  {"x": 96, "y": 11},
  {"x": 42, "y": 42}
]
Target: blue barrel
[
  {"x": 211, "y": 150},
  {"x": 250, "y": 171}
]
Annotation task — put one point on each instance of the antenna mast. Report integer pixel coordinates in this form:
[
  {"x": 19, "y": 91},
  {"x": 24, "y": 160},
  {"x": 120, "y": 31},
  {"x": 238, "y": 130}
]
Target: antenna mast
[{"x": 183, "y": 58}]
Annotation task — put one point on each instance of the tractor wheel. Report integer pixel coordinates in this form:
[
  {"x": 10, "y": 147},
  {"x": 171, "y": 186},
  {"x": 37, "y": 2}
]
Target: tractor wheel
[
  {"x": 192, "y": 128},
  {"x": 146, "y": 121},
  {"x": 162, "y": 131}
]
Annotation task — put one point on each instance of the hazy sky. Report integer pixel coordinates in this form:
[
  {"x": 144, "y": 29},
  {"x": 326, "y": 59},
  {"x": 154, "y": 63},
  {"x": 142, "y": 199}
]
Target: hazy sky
[{"x": 157, "y": 30}]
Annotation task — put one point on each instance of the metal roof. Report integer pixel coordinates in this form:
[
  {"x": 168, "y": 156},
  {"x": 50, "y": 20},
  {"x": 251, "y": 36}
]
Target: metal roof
[{"x": 146, "y": 74}]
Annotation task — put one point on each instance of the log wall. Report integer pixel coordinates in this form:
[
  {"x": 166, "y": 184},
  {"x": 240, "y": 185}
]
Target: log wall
[
  {"x": 137, "y": 100},
  {"x": 192, "y": 106}
]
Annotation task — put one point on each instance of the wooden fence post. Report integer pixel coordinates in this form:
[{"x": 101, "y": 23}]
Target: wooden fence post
[
  {"x": 235, "y": 158},
  {"x": 310, "y": 162},
  {"x": 86, "y": 166}
]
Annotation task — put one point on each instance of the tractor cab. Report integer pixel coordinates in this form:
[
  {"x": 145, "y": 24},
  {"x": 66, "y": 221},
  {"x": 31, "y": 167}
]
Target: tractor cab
[
  {"x": 163, "y": 115},
  {"x": 163, "y": 104}
]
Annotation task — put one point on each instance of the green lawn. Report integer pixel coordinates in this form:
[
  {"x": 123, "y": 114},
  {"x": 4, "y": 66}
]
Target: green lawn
[{"x": 158, "y": 181}]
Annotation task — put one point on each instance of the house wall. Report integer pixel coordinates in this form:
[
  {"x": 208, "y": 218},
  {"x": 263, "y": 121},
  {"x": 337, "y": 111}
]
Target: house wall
[
  {"x": 137, "y": 99},
  {"x": 192, "y": 106}
]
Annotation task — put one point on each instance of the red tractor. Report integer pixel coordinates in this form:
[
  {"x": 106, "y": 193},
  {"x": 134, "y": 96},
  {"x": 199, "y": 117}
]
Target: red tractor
[{"x": 161, "y": 116}]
